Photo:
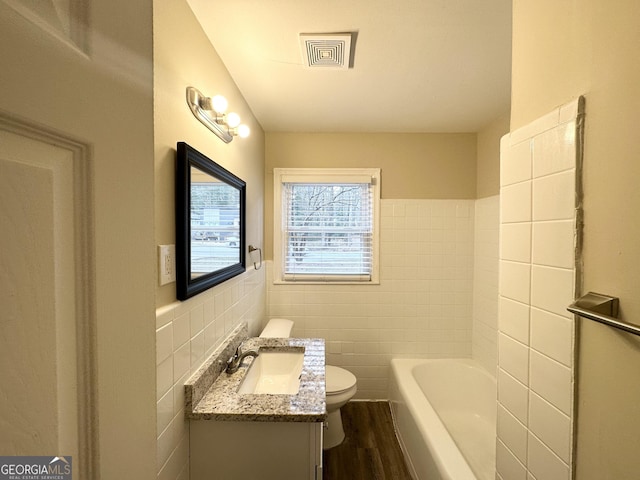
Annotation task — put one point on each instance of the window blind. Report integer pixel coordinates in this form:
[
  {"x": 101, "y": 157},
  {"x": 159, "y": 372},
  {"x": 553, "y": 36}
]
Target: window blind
[{"x": 328, "y": 231}]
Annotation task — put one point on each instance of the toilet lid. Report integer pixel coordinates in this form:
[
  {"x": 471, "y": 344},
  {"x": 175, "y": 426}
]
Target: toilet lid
[{"x": 338, "y": 379}]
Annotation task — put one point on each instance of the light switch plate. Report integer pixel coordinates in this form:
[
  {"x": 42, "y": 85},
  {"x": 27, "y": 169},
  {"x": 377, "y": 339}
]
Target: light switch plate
[{"x": 166, "y": 264}]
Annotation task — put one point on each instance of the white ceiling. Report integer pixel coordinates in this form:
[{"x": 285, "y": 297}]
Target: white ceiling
[{"x": 419, "y": 65}]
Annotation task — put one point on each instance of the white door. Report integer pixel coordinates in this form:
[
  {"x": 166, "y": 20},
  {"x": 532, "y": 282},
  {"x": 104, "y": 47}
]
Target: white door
[
  {"x": 43, "y": 298},
  {"x": 46, "y": 326},
  {"x": 77, "y": 312}
]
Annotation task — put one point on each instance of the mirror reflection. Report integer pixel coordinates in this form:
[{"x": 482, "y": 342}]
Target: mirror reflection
[{"x": 215, "y": 224}]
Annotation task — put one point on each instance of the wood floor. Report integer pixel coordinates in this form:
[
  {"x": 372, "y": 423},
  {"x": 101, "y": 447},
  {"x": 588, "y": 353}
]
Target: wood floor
[{"x": 370, "y": 450}]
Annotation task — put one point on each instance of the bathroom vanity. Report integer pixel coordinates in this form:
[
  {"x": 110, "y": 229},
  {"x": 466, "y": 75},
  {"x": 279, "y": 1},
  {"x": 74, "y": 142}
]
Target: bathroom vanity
[{"x": 263, "y": 421}]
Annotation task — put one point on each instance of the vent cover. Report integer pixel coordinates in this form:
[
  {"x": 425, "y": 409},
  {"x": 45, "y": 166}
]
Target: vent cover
[{"x": 328, "y": 50}]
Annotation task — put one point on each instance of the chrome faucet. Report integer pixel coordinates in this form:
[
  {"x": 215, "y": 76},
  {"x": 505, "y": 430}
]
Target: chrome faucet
[{"x": 233, "y": 364}]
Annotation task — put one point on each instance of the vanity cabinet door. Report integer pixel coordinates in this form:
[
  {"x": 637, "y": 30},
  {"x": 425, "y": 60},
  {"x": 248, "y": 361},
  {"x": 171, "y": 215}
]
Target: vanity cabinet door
[{"x": 255, "y": 450}]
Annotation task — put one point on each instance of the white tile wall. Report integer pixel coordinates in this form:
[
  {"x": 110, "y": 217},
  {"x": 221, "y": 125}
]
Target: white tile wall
[
  {"x": 515, "y": 281},
  {"x": 554, "y": 149},
  {"x": 516, "y": 242},
  {"x": 507, "y": 464},
  {"x": 550, "y": 425},
  {"x": 542, "y": 463},
  {"x": 513, "y": 396},
  {"x": 513, "y": 433},
  {"x": 485, "y": 282},
  {"x": 186, "y": 334},
  {"x": 537, "y": 282},
  {"x": 552, "y": 336},
  {"x": 518, "y": 168},
  {"x": 423, "y": 306},
  {"x": 514, "y": 319},
  {"x": 551, "y": 380},
  {"x": 514, "y": 358},
  {"x": 515, "y": 203},
  {"x": 554, "y": 197},
  {"x": 553, "y": 244}
]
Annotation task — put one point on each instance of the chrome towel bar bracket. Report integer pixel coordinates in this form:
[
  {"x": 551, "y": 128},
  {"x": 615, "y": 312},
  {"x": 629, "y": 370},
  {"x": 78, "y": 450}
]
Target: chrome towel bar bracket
[
  {"x": 603, "y": 309},
  {"x": 259, "y": 250}
]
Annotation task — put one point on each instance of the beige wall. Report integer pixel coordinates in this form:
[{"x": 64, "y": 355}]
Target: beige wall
[
  {"x": 414, "y": 165},
  {"x": 188, "y": 332},
  {"x": 183, "y": 56},
  {"x": 488, "y": 161},
  {"x": 562, "y": 49}
]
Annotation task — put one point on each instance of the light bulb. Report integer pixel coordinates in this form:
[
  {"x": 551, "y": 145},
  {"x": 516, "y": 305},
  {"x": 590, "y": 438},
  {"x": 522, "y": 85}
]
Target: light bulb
[
  {"x": 219, "y": 104},
  {"x": 233, "y": 119},
  {"x": 243, "y": 131}
]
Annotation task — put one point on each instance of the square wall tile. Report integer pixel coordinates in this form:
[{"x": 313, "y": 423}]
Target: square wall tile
[
  {"x": 164, "y": 343},
  {"x": 543, "y": 463},
  {"x": 164, "y": 377},
  {"x": 555, "y": 150},
  {"x": 552, "y": 381},
  {"x": 512, "y": 433},
  {"x": 513, "y": 358},
  {"x": 514, "y": 396},
  {"x": 552, "y": 289},
  {"x": 181, "y": 330},
  {"x": 554, "y": 244},
  {"x": 196, "y": 316},
  {"x": 515, "y": 281},
  {"x": 164, "y": 412},
  {"x": 182, "y": 360},
  {"x": 197, "y": 350},
  {"x": 554, "y": 197},
  {"x": 507, "y": 465},
  {"x": 551, "y": 426},
  {"x": 515, "y": 203},
  {"x": 515, "y": 244},
  {"x": 165, "y": 445},
  {"x": 514, "y": 319},
  {"x": 209, "y": 311},
  {"x": 210, "y": 336},
  {"x": 164, "y": 315},
  {"x": 552, "y": 335},
  {"x": 516, "y": 165},
  {"x": 178, "y": 394}
]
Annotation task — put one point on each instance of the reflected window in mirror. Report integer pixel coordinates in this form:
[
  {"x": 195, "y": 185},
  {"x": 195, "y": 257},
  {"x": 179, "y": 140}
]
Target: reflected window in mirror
[{"x": 215, "y": 224}]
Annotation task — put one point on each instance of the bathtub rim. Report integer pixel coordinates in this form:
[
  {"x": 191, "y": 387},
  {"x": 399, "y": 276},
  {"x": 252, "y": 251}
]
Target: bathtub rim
[{"x": 446, "y": 455}]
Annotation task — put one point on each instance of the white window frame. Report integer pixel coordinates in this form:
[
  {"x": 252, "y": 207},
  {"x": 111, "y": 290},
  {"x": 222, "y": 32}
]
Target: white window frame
[{"x": 324, "y": 175}]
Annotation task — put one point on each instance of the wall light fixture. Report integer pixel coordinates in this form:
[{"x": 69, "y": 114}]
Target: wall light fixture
[{"x": 211, "y": 111}]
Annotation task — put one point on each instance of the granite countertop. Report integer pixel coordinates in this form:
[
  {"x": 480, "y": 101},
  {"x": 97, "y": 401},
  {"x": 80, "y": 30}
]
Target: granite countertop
[{"x": 221, "y": 400}]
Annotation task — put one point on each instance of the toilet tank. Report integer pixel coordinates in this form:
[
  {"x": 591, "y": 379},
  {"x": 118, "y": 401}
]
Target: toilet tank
[{"x": 277, "y": 328}]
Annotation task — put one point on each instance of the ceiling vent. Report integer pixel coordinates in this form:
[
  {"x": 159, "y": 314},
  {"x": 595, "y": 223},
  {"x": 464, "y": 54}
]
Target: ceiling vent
[{"x": 327, "y": 50}]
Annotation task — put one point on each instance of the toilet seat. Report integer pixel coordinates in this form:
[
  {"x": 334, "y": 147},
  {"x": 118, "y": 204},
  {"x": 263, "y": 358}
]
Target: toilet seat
[{"x": 338, "y": 380}]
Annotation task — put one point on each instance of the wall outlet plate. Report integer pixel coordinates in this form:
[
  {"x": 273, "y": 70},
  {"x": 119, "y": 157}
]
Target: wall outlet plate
[{"x": 166, "y": 264}]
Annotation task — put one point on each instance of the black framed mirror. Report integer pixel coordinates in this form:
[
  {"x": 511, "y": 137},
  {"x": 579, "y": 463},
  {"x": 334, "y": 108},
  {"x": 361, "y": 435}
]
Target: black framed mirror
[{"x": 210, "y": 223}]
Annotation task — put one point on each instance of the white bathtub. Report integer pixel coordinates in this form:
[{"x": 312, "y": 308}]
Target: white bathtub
[{"x": 444, "y": 411}]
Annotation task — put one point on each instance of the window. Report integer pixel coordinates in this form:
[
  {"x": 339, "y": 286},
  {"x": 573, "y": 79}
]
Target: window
[{"x": 326, "y": 225}]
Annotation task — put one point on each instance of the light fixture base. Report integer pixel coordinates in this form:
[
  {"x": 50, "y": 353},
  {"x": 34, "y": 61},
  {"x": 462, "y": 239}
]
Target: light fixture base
[{"x": 195, "y": 99}]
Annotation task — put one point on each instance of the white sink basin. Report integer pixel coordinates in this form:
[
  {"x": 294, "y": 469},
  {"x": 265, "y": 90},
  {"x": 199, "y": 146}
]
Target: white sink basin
[{"x": 275, "y": 372}]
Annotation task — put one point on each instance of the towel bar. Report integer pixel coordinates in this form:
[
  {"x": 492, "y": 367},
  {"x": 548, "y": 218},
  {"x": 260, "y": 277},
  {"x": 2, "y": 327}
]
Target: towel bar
[{"x": 602, "y": 309}]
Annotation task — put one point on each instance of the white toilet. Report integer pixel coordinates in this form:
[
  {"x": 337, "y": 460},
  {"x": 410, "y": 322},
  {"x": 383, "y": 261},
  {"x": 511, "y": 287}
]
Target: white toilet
[{"x": 340, "y": 386}]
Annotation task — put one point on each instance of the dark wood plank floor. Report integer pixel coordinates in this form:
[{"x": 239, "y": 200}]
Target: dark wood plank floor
[{"x": 370, "y": 450}]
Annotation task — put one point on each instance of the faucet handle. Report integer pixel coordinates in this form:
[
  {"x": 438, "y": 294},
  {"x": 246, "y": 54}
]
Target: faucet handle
[
  {"x": 233, "y": 358},
  {"x": 239, "y": 349}
]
